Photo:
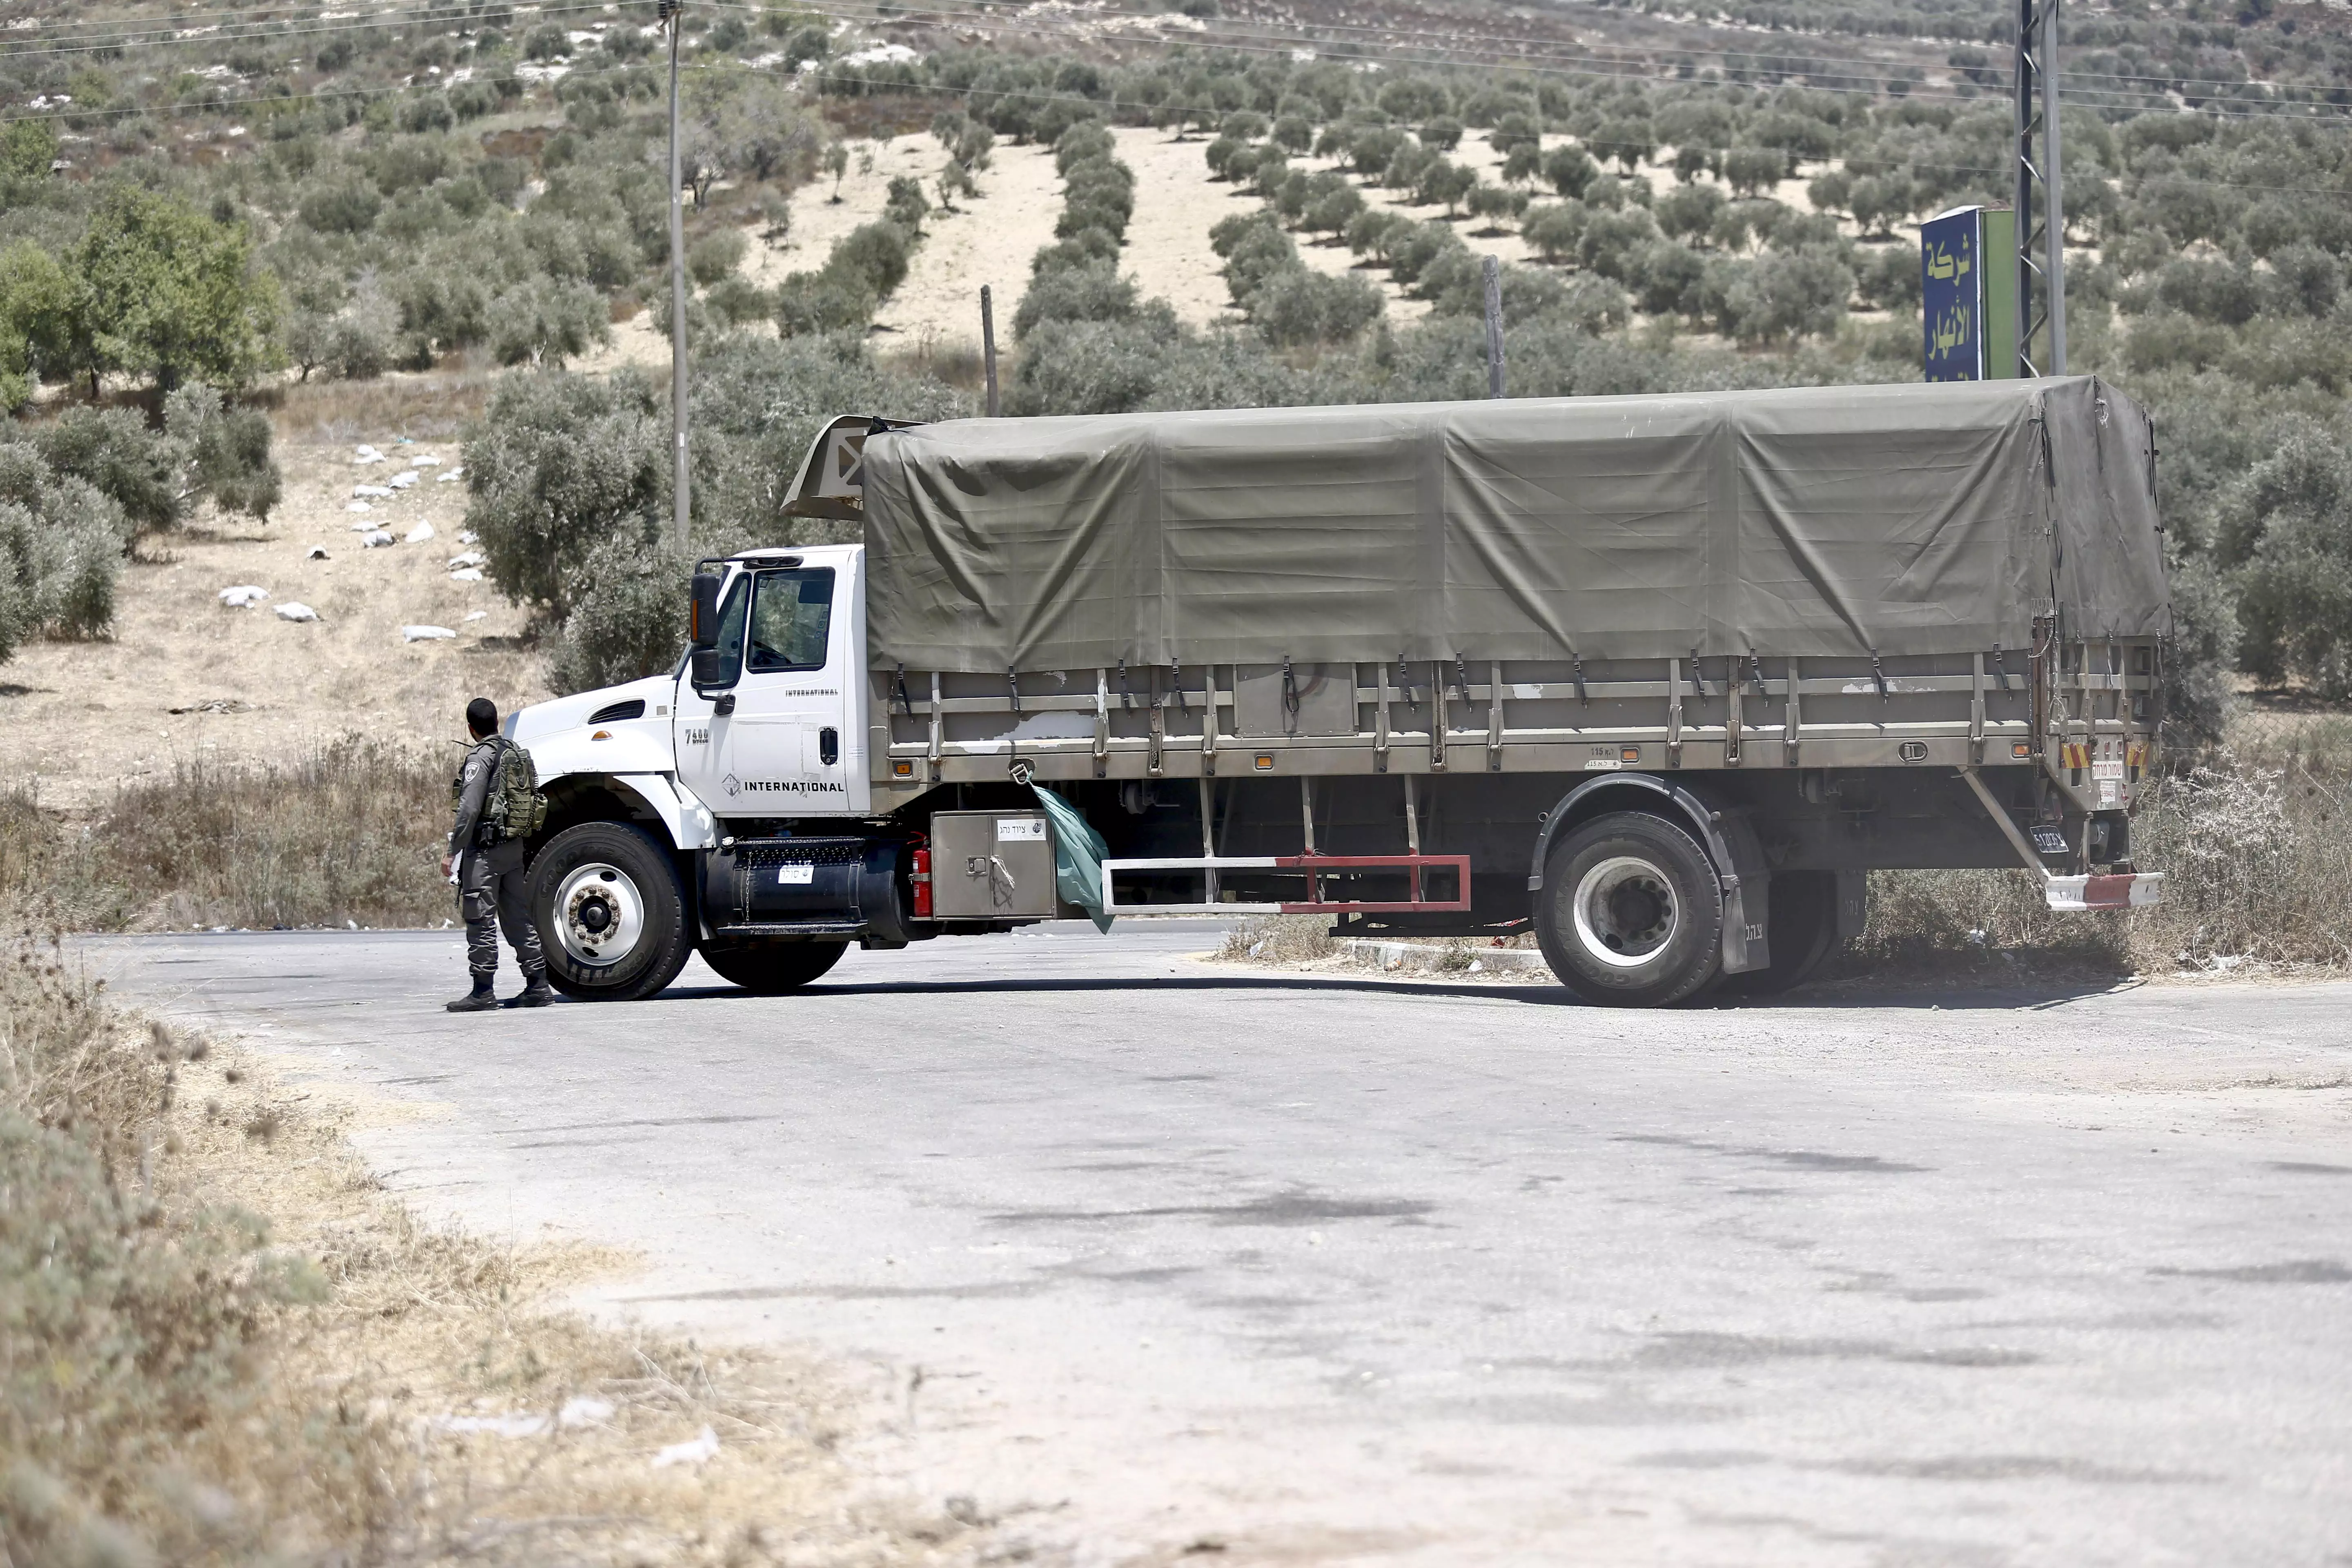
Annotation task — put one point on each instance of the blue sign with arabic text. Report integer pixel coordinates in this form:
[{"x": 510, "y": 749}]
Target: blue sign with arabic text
[{"x": 1952, "y": 294}]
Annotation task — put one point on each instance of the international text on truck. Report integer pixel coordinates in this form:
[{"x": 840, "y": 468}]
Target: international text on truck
[{"x": 1659, "y": 678}]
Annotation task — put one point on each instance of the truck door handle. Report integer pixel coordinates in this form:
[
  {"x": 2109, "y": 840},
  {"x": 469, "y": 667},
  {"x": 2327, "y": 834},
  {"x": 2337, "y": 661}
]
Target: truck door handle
[{"x": 828, "y": 746}]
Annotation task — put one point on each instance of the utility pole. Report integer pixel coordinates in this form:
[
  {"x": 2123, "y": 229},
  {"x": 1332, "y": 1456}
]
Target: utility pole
[
  {"x": 2038, "y": 175},
  {"x": 988, "y": 345},
  {"x": 1493, "y": 275},
  {"x": 680, "y": 498}
]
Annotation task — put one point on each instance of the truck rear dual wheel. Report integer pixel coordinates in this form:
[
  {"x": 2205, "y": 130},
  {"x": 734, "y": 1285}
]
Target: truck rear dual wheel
[
  {"x": 771, "y": 969},
  {"x": 1804, "y": 932},
  {"x": 611, "y": 912},
  {"x": 1630, "y": 914}
]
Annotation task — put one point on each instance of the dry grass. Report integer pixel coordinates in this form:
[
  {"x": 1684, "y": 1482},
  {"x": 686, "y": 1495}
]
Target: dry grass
[
  {"x": 311, "y": 1375},
  {"x": 348, "y": 834},
  {"x": 431, "y": 405},
  {"x": 1279, "y": 940}
]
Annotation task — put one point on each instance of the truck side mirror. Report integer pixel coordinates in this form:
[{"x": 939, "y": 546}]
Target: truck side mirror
[
  {"x": 711, "y": 670},
  {"x": 703, "y": 630}
]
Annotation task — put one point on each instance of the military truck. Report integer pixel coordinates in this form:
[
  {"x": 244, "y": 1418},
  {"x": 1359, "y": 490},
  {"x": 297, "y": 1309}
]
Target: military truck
[{"x": 1658, "y": 678}]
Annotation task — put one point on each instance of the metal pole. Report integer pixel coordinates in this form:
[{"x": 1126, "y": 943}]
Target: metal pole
[
  {"x": 680, "y": 496},
  {"x": 2056, "y": 218},
  {"x": 988, "y": 345},
  {"x": 2023, "y": 207},
  {"x": 1209, "y": 827},
  {"x": 1494, "y": 271}
]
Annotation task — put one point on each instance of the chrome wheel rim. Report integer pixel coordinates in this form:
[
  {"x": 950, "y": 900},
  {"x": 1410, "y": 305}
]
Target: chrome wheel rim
[
  {"x": 1626, "y": 912},
  {"x": 599, "y": 915}
]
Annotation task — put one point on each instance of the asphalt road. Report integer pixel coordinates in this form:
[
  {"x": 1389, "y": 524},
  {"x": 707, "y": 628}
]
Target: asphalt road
[{"x": 1152, "y": 1253}]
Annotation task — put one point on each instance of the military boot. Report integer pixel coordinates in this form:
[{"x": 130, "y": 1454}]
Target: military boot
[
  {"x": 480, "y": 999},
  {"x": 536, "y": 993}
]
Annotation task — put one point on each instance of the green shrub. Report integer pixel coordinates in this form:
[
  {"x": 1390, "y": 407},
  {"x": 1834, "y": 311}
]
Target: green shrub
[
  {"x": 628, "y": 618},
  {"x": 228, "y": 450},
  {"x": 1094, "y": 294},
  {"x": 1298, "y": 306},
  {"x": 60, "y": 552},
  {"x": 542, "y": 322},
  {"x": 715, "y": 255},
  {"x": 873, "y": 257},
  {"x": 558, "y": 465},
  {"x": 809, "y": 303}
]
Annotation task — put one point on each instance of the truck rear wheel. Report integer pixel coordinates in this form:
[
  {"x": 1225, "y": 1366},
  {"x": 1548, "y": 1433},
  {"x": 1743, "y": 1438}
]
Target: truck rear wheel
[
  {"x": 611, "y": 913},
  {"x": 771, "y": 969},
  {"x": 1630, "y": 914},
  {"x": 1804, "y": 932}
]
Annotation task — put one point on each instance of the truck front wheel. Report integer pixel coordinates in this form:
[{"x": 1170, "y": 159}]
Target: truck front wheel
[
  {"x": 771, "y": 969},
  {"x": 1630, "y": 914},
  {"x": 610, "y": 914}
]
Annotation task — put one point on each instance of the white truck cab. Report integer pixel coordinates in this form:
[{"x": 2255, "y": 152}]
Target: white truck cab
[{"x": 765, "y": 723}]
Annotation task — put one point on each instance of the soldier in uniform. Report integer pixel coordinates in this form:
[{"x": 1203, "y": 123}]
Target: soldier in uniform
[{"x": 490, "y": 882}]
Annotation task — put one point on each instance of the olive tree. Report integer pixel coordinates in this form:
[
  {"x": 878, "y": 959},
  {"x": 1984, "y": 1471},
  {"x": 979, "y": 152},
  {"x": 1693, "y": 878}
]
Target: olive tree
[{"x": 558, "y": 465}]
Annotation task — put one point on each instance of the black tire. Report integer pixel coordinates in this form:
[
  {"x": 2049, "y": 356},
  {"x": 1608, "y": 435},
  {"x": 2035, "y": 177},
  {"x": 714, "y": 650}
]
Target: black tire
[
  {"x": 1653, "y": 931},
  {"x": 771, "y": 969},
  {"x": 617, "y": 879},
  {"x": 1804, "y": 932}
]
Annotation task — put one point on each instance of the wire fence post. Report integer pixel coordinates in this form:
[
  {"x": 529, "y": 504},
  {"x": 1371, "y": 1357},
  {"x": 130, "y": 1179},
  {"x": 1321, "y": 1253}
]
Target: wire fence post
[
  {"x": 988, "y": 345},
  {"x": 681, "y": 503},
  {"x": 1494, "y": 271}
]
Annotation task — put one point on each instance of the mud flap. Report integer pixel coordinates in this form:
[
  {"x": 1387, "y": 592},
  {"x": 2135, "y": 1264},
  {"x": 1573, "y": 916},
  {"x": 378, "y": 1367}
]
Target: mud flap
[
  {"x": 1747, "y": 896},
  {"x": 1853, "y": 903}
]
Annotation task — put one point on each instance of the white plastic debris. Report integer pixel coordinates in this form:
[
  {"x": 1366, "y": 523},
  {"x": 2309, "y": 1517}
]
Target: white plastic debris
[
  {"x": 470, "y": 558},
  {"x": 370, "y": 492},
  {"x": 290, "y": 611},
  {"x": 477, "y": 614},
  {"x": 424, "y": 462},
  {"x": 317, "y": 552},
  {"x": 368, "y": 454},
  {"x": 402, "y": 479},
  {"x": 694, "y": 1452},
  {"x": 375, "y": 539},
  {"x": 583, "y": 1412},
  {"x": 451, "y": 478},
  {"x": 468, "y": 537},
  {"x": 420, "y": 533},
  {"x": 244, "y": 596},
  {"x": 467, "y": 575},
  {"x": 359, "y": 506},
  {"x": 425, "y": 634}
]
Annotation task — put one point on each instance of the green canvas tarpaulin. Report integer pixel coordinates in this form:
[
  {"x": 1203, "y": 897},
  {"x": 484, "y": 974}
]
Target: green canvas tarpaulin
[{"x": 1812, "y": 522}]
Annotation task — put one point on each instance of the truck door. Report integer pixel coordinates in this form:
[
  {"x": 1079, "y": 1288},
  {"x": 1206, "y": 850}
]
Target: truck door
[{"x": 784, "y": 745}]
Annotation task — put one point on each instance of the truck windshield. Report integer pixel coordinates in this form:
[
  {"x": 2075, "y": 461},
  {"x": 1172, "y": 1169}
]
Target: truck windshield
[{"x": 790, "y": 615}]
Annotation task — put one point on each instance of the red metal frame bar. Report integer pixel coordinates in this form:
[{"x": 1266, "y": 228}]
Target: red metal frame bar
[{"x": 1412, "y": 864}]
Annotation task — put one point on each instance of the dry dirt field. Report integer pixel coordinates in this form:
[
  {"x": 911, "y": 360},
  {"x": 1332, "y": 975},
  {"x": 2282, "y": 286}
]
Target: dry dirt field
[{"x": 187, "y": 678}]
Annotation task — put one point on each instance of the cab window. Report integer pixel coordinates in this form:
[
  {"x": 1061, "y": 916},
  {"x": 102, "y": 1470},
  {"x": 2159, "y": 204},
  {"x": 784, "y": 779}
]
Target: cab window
[
  {"x": 792, "y": 615},
  {"x": 732, "y": 616}
]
